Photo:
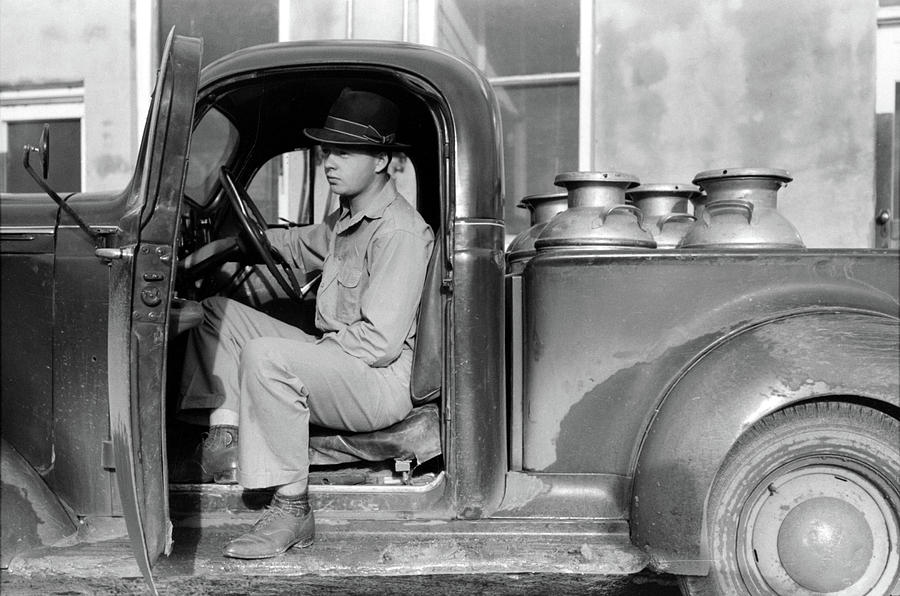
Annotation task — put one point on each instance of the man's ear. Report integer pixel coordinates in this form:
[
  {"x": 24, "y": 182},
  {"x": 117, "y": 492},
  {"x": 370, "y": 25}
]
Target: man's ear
[{"x": 382, "y": 160}]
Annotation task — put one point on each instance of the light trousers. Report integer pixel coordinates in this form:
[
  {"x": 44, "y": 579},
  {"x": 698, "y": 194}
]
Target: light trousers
[{"x": 280, "y": 379}]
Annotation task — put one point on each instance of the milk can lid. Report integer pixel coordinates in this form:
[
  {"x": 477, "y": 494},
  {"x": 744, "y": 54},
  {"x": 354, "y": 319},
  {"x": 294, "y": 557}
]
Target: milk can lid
[{"x": 724, "y": 173}]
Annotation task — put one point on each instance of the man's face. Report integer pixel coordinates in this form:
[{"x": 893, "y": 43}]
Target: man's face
[{"x": 350, "y": 171}]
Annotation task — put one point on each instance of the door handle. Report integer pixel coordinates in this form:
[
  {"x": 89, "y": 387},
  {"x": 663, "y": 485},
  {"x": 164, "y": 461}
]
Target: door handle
[{"x": 111, "y": 254}]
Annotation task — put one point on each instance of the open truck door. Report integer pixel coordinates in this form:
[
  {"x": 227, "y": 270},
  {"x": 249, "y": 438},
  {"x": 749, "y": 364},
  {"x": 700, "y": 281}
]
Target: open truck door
[{"x": 141, "y": 276}]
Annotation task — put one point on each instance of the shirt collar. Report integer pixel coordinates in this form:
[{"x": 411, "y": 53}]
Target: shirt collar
[{"x": 372, "y": 208}]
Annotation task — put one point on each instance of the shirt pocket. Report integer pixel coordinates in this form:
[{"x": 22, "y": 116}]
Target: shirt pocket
[{"x": 349, "y": 292}]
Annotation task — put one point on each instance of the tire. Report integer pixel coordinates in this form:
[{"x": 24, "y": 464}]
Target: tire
[{"x": 807, "y": 502}]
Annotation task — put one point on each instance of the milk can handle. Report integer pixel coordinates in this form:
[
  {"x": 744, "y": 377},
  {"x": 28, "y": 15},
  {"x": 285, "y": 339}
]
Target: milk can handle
[
  {"x": 674, "y": 217},
  {"x": 730, "y": 206},
  {"x": 634, "y": 210}
]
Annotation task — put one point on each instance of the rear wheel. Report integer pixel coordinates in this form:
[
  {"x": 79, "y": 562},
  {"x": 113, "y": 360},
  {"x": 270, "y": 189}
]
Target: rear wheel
[{"x": 807, "y": 502}]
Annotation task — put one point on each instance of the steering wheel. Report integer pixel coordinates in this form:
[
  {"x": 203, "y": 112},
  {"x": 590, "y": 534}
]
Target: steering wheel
[{"x": 254, "y": 226}]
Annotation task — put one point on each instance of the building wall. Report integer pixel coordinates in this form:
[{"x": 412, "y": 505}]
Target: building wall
[
  {"x": 682, "y": 86},
  {"x": 679, "y": 86},
  {"x": 65, "y": 41}
]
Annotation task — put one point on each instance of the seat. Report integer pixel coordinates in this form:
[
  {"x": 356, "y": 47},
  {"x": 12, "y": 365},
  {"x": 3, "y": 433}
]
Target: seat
[{"x": 416, "y": 437}]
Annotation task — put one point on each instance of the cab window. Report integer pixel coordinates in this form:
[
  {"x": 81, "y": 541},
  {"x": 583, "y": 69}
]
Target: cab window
[{"x": 291, "y": 187}]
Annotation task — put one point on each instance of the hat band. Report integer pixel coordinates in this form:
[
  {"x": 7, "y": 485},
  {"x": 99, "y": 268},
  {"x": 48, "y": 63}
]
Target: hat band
[{"x": 355, "y": 129}]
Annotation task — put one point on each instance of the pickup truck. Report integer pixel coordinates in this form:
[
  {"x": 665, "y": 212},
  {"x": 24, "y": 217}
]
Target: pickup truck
[{"x": 728, "y": 415}]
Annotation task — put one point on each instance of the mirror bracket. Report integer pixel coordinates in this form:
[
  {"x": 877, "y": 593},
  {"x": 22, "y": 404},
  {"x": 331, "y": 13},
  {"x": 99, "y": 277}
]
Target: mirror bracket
[{"x": 43, "y": 149}]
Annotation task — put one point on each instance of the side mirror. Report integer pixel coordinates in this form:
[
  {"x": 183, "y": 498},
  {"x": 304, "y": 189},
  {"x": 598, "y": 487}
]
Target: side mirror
[{"x": 43, "y": 150}]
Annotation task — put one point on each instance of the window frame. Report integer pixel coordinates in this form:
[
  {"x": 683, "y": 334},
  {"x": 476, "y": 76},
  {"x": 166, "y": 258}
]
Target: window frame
[{"x": 65, "y": 102}]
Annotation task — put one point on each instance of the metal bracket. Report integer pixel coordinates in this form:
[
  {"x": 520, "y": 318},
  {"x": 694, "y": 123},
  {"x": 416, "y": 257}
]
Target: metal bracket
[
  {"x": 108, "y": 456},
  {"x": 404, "y": 467},
  {"x": 154, "y": 265}
]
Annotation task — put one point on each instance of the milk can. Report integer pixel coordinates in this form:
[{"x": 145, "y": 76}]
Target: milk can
[
  {"x": 741, "y": 211},
  {"x": 698, "y": 204},
  {"x": 542, "y": 208},
  {"x": 597, "y": 215},
  {"x": 665, "y": 210}
]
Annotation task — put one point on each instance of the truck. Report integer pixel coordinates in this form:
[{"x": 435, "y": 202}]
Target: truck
[{"x": 729, "y": 416}]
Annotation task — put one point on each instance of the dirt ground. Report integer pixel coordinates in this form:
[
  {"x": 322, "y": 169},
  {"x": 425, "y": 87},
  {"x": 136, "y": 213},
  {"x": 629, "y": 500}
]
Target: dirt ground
[{"x": 431, "y": 585}]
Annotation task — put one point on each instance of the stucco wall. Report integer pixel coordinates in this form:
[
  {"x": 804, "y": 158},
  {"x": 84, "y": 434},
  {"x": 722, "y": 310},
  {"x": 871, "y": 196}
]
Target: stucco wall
[
  {"x": 682, "y": 86},
  {"x": 70, "y": 40}
]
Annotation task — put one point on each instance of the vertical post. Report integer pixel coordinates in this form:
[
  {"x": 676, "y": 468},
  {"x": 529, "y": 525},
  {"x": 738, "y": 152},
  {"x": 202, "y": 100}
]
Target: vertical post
[
  {"x": 284, "y": 20},
  {"x": 428, "y": 15},
  {"x": 586, "y": 86},
  {"x": 349, "y": 30},
  {"x": 146, "y": 60}
]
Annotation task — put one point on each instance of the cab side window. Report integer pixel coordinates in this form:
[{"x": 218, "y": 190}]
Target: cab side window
[{"x": 291, "y": 187}]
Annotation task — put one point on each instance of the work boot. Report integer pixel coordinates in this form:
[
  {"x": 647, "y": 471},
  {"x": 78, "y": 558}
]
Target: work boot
[
  {"x": 214, "y": 460},
  {"x": 285, "y": 524}
]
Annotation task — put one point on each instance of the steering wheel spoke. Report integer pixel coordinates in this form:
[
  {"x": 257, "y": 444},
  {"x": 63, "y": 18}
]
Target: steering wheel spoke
[{"x": 253, "y": 224}]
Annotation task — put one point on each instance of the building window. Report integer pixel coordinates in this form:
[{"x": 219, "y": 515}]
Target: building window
[
  {"x": 224, "y": 26},
  {"x": 23, "y": 113},
  {"x": 530, "y": 54}
]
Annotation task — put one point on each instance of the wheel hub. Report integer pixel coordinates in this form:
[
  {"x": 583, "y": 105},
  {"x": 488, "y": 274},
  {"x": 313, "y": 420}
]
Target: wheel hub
[
  {"x": 825, "y": 544},
  {"x": 815, "y": 529}
]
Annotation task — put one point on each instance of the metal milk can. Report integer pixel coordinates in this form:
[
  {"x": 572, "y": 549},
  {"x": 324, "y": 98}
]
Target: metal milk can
[
  {"x": 598, "y": 216},
  {"x": 665, "y": 209},
  {"x": 542, "y": 208},
  {"x": 741, "y": 211}
]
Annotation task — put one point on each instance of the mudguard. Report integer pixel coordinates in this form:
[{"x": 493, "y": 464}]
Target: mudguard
[
  {"x": 840, "y": 355},
  {"x": 30, "y": 514}
]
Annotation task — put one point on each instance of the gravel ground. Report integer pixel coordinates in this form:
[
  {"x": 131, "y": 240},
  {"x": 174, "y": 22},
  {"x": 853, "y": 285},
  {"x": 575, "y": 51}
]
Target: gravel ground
[{"x": 431, "y": 585}]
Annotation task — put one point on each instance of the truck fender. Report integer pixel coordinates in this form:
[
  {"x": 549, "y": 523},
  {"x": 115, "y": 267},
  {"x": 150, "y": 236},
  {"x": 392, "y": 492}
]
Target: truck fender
[
  {"x": 30, "y": 514},
  {"x": 836, "y": 355}
]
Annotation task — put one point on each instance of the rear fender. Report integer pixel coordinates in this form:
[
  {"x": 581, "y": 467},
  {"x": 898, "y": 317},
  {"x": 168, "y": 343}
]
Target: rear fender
[
  {"x": 839, "y": 355},
  {"x": 31, "y": 516}
]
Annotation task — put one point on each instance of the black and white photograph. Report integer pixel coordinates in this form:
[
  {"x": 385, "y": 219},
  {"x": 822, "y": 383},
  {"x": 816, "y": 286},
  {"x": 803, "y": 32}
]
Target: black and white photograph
[{"x": 407, "y": 297}]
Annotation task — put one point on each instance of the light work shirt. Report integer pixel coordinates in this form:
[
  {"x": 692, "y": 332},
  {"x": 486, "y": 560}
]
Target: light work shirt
[{"x": 373, "y": 258}]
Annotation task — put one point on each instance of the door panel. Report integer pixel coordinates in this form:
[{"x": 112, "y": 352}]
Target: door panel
[
  {"x": 141, "y": 278},
  {"x": 26, "y": 409}
]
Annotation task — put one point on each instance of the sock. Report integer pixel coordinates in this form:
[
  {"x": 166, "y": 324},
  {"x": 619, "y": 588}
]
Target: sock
[
  {"x": 295, "y": 504},
  {"x": 222, "y": 435}
]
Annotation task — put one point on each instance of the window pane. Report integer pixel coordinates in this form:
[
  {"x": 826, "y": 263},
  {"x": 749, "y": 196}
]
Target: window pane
[
  {"x": 281, "y": 187},
  {"x": 212, "y": 144},
  {"x": 378, "y": 19},
  {"x": 263, "y": 189},
  {"x": 540, "y": 140},
  {"x": 65, "y": 155},
  {"x": 512, "y": 37},
  {"x": 224, "y": 26}
]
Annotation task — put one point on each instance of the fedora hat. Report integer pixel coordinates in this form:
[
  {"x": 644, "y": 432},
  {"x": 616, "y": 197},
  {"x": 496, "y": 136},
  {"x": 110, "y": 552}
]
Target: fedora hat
[{"x": 359, "y": 118}]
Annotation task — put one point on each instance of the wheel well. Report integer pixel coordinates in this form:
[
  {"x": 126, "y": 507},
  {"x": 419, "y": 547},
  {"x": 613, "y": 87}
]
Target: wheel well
[
  {"x": 868, "y": 402},
  {"x": 767, "y": 369},
  {"x": 775, "y": 454}
]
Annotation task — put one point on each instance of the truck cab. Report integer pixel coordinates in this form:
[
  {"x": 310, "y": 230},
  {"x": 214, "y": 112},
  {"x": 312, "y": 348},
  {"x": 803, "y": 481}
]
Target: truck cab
[{"x": 721, "y": 414}]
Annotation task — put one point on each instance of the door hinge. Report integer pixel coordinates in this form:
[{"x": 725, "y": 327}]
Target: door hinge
[{"x": 108, "y": 456}]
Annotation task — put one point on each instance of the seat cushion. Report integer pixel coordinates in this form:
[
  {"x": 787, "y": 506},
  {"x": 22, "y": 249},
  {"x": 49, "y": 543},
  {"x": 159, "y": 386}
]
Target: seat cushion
[
  {"x": 428, "y": 356},
  {"x": 418, "y": 436}
]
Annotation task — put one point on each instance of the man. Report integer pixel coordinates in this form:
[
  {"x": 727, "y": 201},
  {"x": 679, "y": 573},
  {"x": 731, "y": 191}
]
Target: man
[{"x": 269, "y": 379}]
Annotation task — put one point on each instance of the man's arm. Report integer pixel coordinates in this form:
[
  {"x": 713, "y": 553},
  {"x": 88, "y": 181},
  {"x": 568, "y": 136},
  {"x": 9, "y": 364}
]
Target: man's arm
[{"x": 303, "y": 247}]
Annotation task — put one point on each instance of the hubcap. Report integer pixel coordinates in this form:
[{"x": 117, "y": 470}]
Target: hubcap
[
  {"x": 825, "y": 544},
  {"x": 815, "y": 529}
]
